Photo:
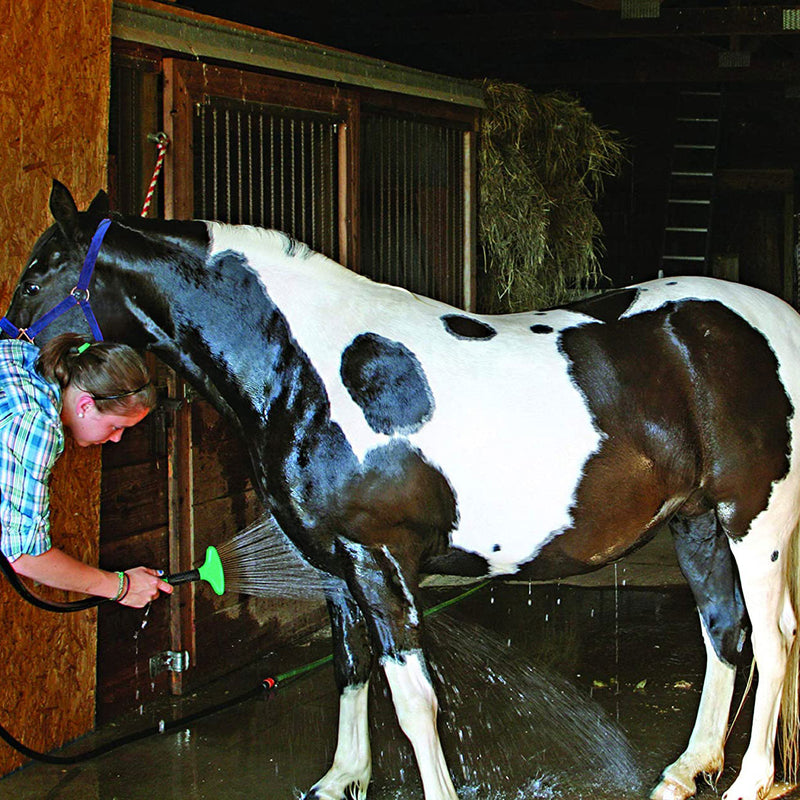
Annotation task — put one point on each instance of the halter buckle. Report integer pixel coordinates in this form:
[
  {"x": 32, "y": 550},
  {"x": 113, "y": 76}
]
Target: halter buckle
[{"x": 80, "y": 295}]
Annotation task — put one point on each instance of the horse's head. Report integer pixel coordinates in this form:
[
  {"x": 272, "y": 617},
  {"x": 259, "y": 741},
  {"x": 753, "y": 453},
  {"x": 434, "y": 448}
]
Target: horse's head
[{"x": 52, "y": 270}]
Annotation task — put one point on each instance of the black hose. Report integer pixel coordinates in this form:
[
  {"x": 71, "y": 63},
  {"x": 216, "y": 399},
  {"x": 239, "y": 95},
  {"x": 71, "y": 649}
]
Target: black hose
[
  {"x": 81, "y": 605},
  {"x": 153, "y": 730},
  {"x": 48, "y": 605}
]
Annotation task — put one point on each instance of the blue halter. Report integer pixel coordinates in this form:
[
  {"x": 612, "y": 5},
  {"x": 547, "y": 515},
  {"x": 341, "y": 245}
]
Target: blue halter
[{"x": 78, "y": 296}]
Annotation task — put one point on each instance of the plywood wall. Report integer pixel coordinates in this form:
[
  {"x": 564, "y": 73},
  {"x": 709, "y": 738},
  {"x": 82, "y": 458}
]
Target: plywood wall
[{"x": 54, "y": 92}]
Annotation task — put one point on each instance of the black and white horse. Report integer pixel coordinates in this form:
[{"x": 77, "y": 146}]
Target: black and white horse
[{"x": 392, "y": 435}]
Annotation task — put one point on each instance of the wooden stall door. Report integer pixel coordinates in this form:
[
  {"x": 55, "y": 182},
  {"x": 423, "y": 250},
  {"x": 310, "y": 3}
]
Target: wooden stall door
[
  {"x": 134, "y": 530},
  {"x": 277, "y": 153}
]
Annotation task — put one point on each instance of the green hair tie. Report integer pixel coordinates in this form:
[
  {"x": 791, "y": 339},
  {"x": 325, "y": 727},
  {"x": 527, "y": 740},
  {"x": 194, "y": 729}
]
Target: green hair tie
[{"x": 83, "y": 347}]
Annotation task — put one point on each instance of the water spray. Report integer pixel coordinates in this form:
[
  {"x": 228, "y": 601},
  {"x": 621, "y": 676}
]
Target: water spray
[
  {"x": 209, "y": 571},
  {"x": 252, "y": 545}
]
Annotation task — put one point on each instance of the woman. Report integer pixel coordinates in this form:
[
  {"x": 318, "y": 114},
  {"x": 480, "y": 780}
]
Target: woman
[{"x": 95, "y": 391}]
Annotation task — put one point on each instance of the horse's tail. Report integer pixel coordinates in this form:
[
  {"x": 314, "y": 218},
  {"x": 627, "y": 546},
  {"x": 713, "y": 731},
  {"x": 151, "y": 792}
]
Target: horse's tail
[{"x": 790, "y": 701}]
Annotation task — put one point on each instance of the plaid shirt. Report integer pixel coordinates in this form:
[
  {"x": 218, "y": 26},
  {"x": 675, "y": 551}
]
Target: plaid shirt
[{"x": 31, "y": 439}]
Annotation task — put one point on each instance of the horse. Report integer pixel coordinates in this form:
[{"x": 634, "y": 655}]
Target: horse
[{"x": 393, "y": 436}]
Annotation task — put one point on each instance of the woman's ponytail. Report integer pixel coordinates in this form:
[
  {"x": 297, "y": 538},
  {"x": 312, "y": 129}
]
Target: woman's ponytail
[{"x": 114, "y": 374}]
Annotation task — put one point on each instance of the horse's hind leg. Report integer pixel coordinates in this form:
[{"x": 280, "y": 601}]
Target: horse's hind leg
[
  {"x": 706, "y": 561},
  {"x": 350, "y": 773},
  {"x": 765, "y": 557}
]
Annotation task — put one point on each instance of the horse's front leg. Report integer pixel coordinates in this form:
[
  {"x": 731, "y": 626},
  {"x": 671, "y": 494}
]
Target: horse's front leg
[
  {"x": 384, "y": 591},
  {"x": 350, "y": 773}
]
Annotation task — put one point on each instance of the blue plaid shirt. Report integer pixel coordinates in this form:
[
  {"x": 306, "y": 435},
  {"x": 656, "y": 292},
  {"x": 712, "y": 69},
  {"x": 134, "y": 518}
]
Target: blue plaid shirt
[{"x": 31, "y": 439}]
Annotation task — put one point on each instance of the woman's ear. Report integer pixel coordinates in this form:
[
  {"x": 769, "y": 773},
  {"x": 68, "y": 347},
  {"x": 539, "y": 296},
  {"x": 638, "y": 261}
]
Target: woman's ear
[{"x": 83, "y": 404}]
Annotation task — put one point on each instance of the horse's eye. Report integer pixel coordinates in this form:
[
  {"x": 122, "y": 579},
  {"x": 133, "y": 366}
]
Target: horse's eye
[{"x": 30, "y": 289}]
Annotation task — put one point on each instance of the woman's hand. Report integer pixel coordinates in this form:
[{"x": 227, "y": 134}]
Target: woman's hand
[
  {"x": 57, "y": 569},
  {"x": 145, "y": 586}
]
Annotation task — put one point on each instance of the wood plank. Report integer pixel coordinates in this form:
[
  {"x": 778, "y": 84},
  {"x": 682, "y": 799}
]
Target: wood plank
[
  {"x": 221, "y": 461},
  {"x": 755, "y": 180},
  {"x": 133, "y": 499},
  {"x": 140, "y": 446},
  {"x": 148, "y": 548}
]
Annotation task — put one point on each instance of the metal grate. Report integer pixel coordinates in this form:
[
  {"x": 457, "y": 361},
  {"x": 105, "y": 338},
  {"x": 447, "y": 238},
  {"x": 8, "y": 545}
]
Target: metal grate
[
  {"x": 412, "y": 205},
  {"x": 791, "y": 19},
  {"x": 276, "y": 168}
]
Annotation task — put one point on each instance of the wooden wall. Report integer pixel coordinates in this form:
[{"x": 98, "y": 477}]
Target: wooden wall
[{"x": 54, "y": 91}]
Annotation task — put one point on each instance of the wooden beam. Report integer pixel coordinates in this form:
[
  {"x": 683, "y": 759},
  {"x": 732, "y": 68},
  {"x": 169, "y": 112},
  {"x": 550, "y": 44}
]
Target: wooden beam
[
  {"x": 202, "y": 37},
  {"x": 575, "y": 24},
  {"x": 652, "y": 71}
]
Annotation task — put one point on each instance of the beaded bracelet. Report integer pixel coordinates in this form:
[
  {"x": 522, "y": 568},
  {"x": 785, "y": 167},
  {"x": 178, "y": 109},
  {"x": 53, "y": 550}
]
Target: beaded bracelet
[
  {"x": 127, "y": 587},
  {"x": 122, "y": 589}
]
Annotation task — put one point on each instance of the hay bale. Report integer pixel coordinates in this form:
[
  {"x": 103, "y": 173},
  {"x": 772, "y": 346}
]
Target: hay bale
[{"x": 542, "y": 161}]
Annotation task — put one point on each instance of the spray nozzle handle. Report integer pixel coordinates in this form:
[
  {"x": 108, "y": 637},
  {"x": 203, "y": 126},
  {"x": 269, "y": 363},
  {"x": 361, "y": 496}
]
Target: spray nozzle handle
[
  {"x": 183, "y": 577},
  {"x": 210, "y": 571}
]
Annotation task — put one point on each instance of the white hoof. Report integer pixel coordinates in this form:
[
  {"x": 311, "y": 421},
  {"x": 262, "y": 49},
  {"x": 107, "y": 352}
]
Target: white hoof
[
  {"x": 338, "y": 790},
  {"x": 670, "y": 789},
  {"x": 744, "y": 790}
]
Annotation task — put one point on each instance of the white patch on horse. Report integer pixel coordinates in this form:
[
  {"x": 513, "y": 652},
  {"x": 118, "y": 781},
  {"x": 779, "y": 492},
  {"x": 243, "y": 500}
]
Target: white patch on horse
[
  {"x": 352, "y": 762},
  {"x": 416, "y": 706},
  {"x": 492, "y": 450}
]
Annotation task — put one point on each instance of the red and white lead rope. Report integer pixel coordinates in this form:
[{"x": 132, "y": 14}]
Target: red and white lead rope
[{"x": 162, "y": 143}]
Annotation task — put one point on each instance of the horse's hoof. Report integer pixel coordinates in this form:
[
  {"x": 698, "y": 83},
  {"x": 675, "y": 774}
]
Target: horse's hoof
[
  {"x": 352, "y": 792},
  {"x": 670, "y": 789},
  {"x": 759, "y": 794},
  {"x": 747, "y": 789}
]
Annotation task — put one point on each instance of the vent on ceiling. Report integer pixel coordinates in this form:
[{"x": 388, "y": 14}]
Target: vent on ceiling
[
  {"x": 734, "y": 58},
  {"x": 639, "y": 9}
]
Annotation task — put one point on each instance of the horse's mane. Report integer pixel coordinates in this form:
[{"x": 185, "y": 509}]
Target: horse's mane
[{"x": 263, "y": 239}]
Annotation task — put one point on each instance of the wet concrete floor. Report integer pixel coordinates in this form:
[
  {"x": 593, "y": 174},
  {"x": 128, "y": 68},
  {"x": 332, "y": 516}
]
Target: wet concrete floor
[{"x": 559, "y": 692}]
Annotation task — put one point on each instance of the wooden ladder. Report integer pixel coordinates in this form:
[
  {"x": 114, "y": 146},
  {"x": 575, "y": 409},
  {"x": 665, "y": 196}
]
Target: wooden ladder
[{"x": 687, "y": 227}]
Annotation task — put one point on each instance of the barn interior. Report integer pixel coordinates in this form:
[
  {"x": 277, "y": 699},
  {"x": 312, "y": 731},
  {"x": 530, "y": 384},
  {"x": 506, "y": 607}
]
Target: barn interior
[
  {"x": 639, "y": 67},
  {"x": 703, "y": 99}
]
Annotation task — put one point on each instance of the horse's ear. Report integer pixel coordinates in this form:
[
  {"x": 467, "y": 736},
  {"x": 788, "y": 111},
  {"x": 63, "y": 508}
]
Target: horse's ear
[
  {"x": 99, "y": 207},
  {"x": 63, "y": 209}
]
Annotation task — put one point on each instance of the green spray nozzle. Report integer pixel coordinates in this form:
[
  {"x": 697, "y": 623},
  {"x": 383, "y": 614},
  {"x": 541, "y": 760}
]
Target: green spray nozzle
[{"x": 209, "y": 571}]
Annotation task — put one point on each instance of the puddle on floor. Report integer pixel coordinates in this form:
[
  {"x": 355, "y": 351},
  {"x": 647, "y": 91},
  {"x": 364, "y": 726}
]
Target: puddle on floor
[{"x": 547, "y": 691}]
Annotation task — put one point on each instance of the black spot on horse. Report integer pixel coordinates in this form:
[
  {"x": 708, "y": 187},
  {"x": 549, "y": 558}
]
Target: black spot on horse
[
  {"x": 774, "y": 556},
  {"x": 541, "y": 329},
  {"x": 388, "y": 383},
  {"x": 467, "y": 328},
  {"x": 606, "y": 307},
  {"x": 496, "y": 548}
]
